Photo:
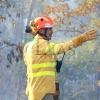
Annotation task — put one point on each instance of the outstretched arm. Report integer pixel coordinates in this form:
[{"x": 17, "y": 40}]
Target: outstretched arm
[{"x": 77, "y": 41}]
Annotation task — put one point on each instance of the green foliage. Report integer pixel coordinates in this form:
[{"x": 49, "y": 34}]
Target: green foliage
[{"x": 77, "y": 77}]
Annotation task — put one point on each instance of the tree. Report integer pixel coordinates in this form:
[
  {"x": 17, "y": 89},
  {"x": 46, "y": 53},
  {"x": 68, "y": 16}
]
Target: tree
[{"x": 79, "y": 72}]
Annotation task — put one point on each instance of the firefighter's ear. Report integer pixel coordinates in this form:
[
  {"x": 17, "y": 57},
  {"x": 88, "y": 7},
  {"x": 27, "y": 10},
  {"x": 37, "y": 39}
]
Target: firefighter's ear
[{"x": 41, "y": 30}]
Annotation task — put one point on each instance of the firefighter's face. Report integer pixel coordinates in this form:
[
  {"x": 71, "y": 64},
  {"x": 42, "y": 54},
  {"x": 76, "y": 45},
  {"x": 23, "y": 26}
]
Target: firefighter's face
[{"x": 49, "y": 32}]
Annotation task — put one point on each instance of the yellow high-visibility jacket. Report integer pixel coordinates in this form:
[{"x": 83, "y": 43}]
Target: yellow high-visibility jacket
[
  {"x": 25, "y": 58},
  {"x": 40, "y": 60}
]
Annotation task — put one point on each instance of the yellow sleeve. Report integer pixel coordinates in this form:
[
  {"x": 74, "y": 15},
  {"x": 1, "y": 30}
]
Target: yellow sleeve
[
  {"x": 63, "y": 47},
  {"x": 25, "y": 53},
  {"x": 77, "y": 41}
]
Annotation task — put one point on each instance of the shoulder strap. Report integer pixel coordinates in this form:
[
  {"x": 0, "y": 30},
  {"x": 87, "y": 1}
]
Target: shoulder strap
[{"x": 63, "y": 57}]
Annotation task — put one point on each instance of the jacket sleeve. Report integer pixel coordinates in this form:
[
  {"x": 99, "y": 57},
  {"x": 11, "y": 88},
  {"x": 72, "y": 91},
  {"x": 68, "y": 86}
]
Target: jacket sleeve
[
  {"x": 63, "y": 47},
  {"x": 25, "y": 53},
  {"x": 25, "y": 60}
]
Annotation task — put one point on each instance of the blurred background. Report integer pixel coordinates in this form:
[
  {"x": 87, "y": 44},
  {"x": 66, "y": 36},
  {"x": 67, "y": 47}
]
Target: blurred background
[{"x": 79, "y": 77}]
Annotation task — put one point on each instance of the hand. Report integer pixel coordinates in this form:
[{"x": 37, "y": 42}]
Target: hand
[
  {"x": 56, "y": 95},
  {"x": 89, "y": 35}
]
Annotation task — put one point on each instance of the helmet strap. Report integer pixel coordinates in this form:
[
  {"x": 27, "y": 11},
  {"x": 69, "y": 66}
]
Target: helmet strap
[{"x": 44, "y": 34}]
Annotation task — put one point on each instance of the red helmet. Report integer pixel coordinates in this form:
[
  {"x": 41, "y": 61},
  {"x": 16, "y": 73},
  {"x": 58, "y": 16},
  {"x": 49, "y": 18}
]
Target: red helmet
[{"x": 41, "y": 22}]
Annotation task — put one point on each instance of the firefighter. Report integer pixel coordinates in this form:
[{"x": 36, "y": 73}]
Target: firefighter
[
  {"x": 41, "y": 60},
  {"x": 57, "y": 92}
]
